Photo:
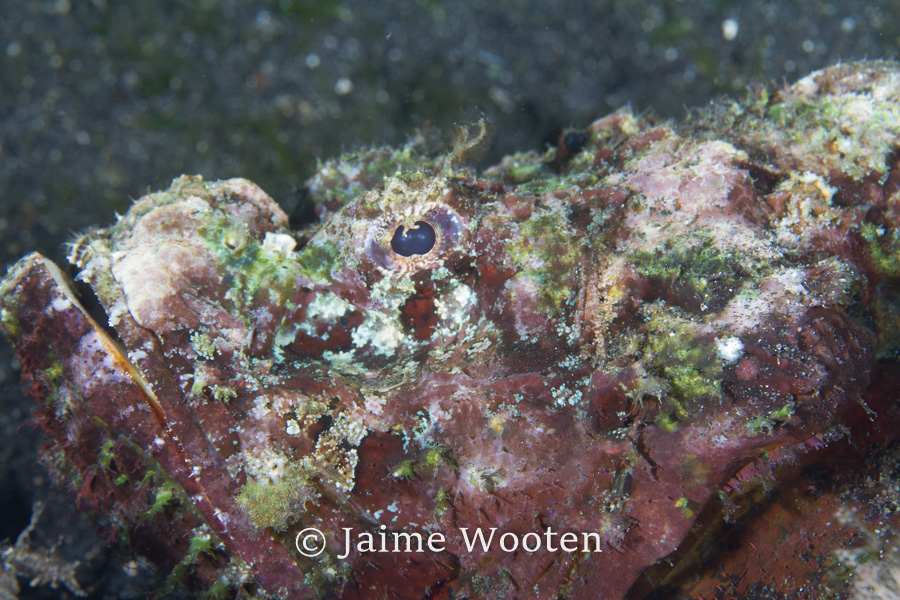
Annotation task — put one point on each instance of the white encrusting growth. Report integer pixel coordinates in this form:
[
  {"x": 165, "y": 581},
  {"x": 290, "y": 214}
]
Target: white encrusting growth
[
  {"x": 382, "y": 331},
  {"x": 279, "y": 243},
  {"x": 453, "y": 308},
  {"x": 382, "y": 328},
  {"x": 730, "y": 349},
  {"x": 325, "y": 308}
]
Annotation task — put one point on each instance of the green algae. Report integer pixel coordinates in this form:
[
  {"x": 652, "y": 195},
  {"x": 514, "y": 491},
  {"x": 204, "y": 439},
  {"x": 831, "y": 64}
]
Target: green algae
[
  {"x": 687, "y": 362},
  {"x": 709, "y": 273},
  {"x": 765, "y": 423},
  {"x": 317, "y": 261},
  {"x": 250, "y": 267},
  {"x": 106, "y": 455},
  {"x": 53, "y": 378},
  {"x": 277, "y": 503},
  {"x": 347, "y": 178},
  {"x": 545, "y": 254},
  {"x": 884, "y": 248},
  {"x": 855, "y": 130},
  {"x": 165, "y": 494},
  {"x": 8, "y": 321}
]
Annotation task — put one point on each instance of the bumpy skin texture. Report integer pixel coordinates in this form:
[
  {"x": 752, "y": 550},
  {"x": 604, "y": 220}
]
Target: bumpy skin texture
[{"x": 600, "y": 340}]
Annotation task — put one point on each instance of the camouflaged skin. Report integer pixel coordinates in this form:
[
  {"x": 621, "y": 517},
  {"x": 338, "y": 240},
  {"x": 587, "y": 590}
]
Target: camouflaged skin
[{"x": 598, "y": 341}]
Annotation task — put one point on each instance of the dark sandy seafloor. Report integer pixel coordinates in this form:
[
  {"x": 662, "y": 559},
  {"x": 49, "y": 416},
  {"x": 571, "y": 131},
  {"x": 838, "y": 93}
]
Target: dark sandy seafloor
[{"x": 101, "y": 101}]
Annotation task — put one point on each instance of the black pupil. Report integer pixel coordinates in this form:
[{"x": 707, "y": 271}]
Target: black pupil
[{"x": 418, "y": 240}]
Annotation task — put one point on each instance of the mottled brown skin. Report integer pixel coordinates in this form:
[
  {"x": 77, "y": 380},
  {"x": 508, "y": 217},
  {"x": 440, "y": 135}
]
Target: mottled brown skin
[{"x": 600, "y": 342}]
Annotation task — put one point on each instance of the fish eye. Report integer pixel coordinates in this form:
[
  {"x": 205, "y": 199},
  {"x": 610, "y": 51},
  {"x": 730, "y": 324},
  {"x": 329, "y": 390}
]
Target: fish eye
[
  {"x": 415, "y": 237},
  {"x": 416, "y": 240}
]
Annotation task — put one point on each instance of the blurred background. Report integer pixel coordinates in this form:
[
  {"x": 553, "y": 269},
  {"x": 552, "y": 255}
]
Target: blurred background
[{"x": 101, "y": 101}]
